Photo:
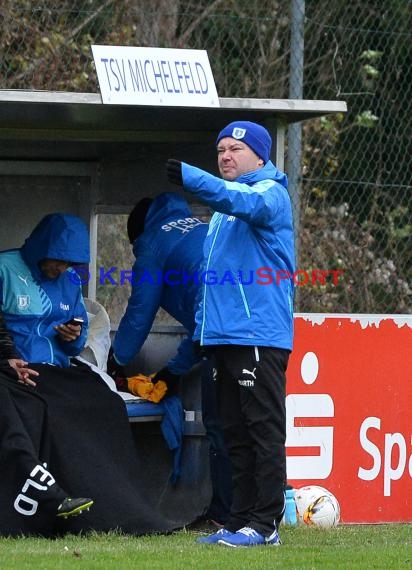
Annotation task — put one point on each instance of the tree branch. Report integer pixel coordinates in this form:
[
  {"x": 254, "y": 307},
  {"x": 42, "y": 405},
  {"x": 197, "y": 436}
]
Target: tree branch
[
  {"x": 183, "y": 38},
  {"x": 65, "y": 41}
]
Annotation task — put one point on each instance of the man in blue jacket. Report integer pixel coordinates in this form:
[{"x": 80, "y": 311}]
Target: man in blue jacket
[
  {"x": 246, "y": 315},
  {"x": 40, "y": 292},
  {"x": 168, "y": 247}
]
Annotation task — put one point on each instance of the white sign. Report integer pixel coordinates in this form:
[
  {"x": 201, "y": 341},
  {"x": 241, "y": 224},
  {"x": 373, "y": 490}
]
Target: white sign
[{"x": 155, "y": 76}]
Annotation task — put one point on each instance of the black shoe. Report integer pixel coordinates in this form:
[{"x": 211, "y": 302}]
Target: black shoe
[{"x": 72, "y": 507}]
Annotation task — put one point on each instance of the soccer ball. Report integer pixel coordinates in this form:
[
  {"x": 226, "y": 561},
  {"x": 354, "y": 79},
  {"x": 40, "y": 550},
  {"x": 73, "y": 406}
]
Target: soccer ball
[{"x": 316, "y": 506}]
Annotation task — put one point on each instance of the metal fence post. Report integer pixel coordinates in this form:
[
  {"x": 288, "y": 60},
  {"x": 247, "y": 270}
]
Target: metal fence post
[{"x": 294, "y": 137}]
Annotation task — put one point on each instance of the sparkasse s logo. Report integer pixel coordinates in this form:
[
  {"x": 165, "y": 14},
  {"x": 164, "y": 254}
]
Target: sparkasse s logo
[{"x": 310, "y": 447}]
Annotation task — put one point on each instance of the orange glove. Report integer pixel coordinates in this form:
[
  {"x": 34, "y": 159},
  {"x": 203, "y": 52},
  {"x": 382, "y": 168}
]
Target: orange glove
[
  {"x": 141, "y": 385},
  {"x": 159, "y": 390}
]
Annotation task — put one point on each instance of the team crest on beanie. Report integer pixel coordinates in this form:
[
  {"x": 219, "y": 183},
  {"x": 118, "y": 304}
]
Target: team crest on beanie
[
  {"x": 252, "y": 134},
  {"x": 238, "y": 133}
]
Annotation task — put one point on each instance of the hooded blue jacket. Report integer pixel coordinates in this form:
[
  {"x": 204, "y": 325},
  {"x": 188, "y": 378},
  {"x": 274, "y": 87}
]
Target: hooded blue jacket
[
  {"x": 31, "y": 303},
  {"x": 249, "y": 258},
  {"x": 169, "y": 256}
]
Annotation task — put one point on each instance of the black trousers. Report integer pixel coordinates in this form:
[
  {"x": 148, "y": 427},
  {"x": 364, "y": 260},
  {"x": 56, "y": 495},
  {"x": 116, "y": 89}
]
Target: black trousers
[
  {"x": 251, "y": 385},
  {"x": 220, "y": 467}
]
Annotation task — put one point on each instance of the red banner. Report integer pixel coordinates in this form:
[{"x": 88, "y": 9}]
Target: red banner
[{"x": 349, "y": 407}]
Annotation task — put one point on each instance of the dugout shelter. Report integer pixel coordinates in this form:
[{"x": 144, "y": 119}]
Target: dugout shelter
[{"x": 70, "y": 152}]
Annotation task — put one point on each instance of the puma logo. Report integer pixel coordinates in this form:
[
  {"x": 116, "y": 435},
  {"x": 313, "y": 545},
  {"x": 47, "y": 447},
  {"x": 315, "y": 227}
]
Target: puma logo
[
  {"x": 24, "y": 279},
  {"x": 245, "y": 371}
]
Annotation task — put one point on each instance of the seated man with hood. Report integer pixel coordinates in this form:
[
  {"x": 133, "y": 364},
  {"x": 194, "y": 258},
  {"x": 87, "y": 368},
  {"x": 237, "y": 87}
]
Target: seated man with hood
[
  {"x": 168, "y": 242},
  {"x": 81, "y": 426},
  {"x": 39, "y": 290}
]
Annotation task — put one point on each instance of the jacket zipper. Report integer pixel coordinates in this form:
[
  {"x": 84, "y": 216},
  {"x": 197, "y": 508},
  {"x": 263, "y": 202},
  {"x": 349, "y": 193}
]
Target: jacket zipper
[
  {"x": 245, "y": 303},
  {"x": 205, "y": 287},
  {"x": 45, "y": 337}
]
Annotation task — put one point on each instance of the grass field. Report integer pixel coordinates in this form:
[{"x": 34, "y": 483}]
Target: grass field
[{"x": 346, "y": 546}]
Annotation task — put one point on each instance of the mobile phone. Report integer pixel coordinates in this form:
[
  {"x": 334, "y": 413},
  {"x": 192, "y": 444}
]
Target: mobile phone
[{"x": 75, "y": 321}]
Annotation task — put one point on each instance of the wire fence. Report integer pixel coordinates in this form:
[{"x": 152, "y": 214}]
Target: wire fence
[{"x": 351, "y": 181}]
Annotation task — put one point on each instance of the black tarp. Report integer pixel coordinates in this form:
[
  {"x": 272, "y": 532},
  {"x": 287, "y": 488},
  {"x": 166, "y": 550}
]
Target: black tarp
[{"x": 72, "y": 422}]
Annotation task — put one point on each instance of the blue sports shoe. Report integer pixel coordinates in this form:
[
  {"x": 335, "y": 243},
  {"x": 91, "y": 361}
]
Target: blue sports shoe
[
  {"x": 249, "y": 537},
  {"x": 214, "y": 538}
]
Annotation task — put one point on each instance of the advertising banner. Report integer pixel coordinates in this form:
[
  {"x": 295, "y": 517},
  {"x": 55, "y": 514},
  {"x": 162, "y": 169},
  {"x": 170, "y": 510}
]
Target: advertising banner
[{"x": 349, "y": 403}]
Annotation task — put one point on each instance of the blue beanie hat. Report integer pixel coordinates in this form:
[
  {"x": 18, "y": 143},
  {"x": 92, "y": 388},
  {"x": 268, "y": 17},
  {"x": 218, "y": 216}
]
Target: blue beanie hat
[{"x": 252, "y": 134}]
